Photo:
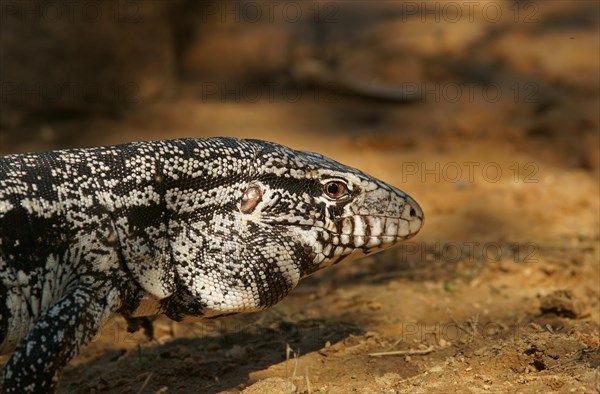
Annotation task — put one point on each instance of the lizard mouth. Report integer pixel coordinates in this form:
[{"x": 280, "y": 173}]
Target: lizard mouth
[
  {"x": 361, "y": 232},
  {"x": 370, "y": 233},
  {"x": 381, "y": 230},
  {"x": 361, "y": 236}
]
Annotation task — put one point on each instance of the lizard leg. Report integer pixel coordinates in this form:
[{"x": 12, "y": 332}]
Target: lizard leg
[
  {"x": 59, "y": 333},
  {"x": 145, "y": 323}
]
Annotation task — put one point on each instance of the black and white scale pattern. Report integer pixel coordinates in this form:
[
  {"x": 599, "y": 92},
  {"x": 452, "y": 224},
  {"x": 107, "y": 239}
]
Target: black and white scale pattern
[{"x": 187, "y": 228}]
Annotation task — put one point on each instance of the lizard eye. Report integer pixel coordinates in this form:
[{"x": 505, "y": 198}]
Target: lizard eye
[{"x": 334, "y": 189}]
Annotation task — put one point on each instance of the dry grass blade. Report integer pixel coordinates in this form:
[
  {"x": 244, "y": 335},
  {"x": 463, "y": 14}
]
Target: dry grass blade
[
  {"x": 408, "y": 352},
  {"x": 145, "y": 383}
]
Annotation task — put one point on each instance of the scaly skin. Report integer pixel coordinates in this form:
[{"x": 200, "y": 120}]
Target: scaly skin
[{"x": 187, "y": 228}]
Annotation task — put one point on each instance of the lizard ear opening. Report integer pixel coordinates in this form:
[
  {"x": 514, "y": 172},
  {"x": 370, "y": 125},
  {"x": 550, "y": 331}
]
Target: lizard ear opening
[{"x": 250, "y": 199}]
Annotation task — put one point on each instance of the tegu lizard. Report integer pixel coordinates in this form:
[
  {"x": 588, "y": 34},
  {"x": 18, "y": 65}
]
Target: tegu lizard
[{"x": 189, "y": 228}]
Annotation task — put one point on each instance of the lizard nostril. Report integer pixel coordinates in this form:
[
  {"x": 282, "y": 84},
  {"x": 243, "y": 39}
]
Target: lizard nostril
[{"x": 413, "y": 210}]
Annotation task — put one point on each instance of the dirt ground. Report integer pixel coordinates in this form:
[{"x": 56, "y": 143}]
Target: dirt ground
[{"x": 500, "y": 291}]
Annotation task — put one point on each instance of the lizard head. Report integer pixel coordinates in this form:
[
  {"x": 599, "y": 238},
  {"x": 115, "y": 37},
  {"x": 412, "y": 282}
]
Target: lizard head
[
  {"x": 325, "y": 211},
  {"x": 281, "y": 216}
]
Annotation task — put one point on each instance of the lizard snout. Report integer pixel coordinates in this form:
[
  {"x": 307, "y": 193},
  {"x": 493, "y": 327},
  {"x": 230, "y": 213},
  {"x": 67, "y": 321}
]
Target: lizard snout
[
  {"x": 382, "y": 218},
  {"x": 413, "y": 213}
]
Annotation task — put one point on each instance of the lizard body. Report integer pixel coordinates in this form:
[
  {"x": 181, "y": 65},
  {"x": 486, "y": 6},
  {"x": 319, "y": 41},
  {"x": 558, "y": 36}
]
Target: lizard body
[{"x": 187, "y": 228}]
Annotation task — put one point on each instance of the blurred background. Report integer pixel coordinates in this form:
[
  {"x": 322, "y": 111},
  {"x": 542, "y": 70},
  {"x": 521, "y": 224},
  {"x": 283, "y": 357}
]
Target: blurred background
[{"x": 486, "y": 112}]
